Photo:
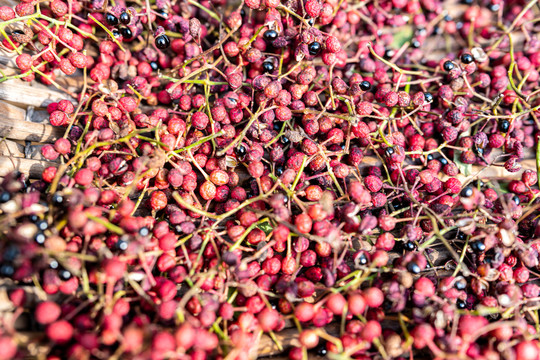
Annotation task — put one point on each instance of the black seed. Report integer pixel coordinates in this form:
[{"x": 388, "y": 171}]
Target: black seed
[
  {"x": 270, "y": 35},
  {"x": 389, "y": 151},
  {"x": 467, "y": 58},
  {"x": 448, "y": 65},
  {"x": 448, "y": 18},
  {"x": 64, "y": 274},
  {"x": 122, "y": 245},
  {"x": 42, "y": 225},
  {"x": 504, "y": 125},
  {"x": 365, "y": 85},
  {"x": 154, "y": 65},
  {"x": 268, "y": 66},
  {"x": 467, "y": 192},
  {"x": 163, "y": 42},
  {"x": 461, "y": 284},
  {"x": 5, "y": 197},
  {"x": 279, "y": 170},
  {"x": 33, "y": 218},
  {"x": 409, "y": 246},
  {"x": 443, "y": 161},
  {"x": 430, "y": 157},
  {"x": 494, "y": 7},
  {"x": 314, "y": 48},
  {"x": 413, "y": 267},
  {"x": 428, "y": 97},
  {"x": 53, "y": 264},
  {"x": 516, "y": 199},
  {"x": 111, "y": 19},
  {"x": 461, "y": 304},
  {"x": 240, "y": 151},
  {"x": 126, "y": 33},
  {"x": 40, "y": 238},
  {"x": 416, "y": 44},
  {"x": 311, "y": 21},
  {"x": 461, "y": 236},
  {"x": 389, "y": 53},
  {"x": 58, "y": 199},
  {"x": 242, "y": 12},
  {"x": 478, "y": 246},
  {"x": 144, "y": 231},
  {"x": 125, "y": 18},
  {"x": 285, "y": 140},
  {"x": 362, "y": 259}
]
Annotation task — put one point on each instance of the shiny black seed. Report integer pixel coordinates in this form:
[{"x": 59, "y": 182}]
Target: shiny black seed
[
  {"x": 57, "y": 199},
  {"x": 53, "y": 264},
  {"x": 448, "y": 18},
  {"x": 285, "y": 140},
  {"x": 268, "y": 67},
  {"x": 467, "y": 58},
  {"x": 478, "y": 246},
  {"x": 154, "y": 65},
  {"x": 279, "y": 170},
  {"x": 126, "y": 33},
  {"x": 64, "y": 274},
  {"x": 242, "y": 12},
  {"x": 362, "y": 259},
  {"x": 461, "y": 284},
  {"x": 448, "y": 65},
  {"x": 494, "y": 7},
  {"x": 122, "y": 245},
  {"x": 33, "y": 218},
  {"x": 111, "y": 19},
  {"x": 416, "y": 44},
  {"x": 479, "y": 151},
  {"x": 270, "y": 35},
  {"x": 413, "y": 267},
  {"x": 144, "y": 231},
  {"x": 504, "y": 125},
  {"x": 516, "y": 199},
  {"x": 240, "y": 151},
  {"x": 40, "y": 238},
  {"x": 163, "y": 42},
  {"x": 125, "y": 18},
  {"x": 311, "y": 21},
  {"x": 409, "y": 246},
  {"x": 389, "y": 53},
  {"x": 428, "y": 97},
  {"x": 5, "y": 197},
  {"x": 42, "y": 225},
  {"x": 314, "y": 48},
  {"x": 461, "y": 236},
  {"x": 467, "y": 192},
  {"x": 276, "y": 126},
  {"x": 389, "y": 151},
  {"x": 443, "y": 161},
  {"x": 461, "y": 304},
  {"x": 430, "y": 157},
  {"x": 365, "y": 85}
]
